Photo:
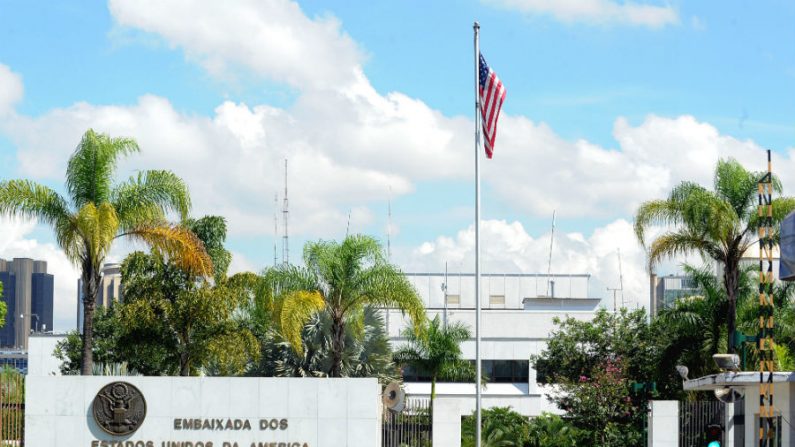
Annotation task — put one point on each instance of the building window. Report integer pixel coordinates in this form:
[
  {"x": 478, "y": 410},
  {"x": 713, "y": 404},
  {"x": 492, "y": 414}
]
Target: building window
[
  {"x": 454, "y": 300},
  {"x": 507, "y": 371},
  {"x": 497, "y": 371},
  {"x": 497, "y": 300}
]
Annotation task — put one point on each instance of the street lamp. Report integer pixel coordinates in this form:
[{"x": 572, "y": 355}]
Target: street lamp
[{"x": 32, "y": 315}]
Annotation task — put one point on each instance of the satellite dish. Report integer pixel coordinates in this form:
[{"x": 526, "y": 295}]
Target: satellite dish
[
  {"x": 394, "y": 397},
  {"x": 729, "y": 395}
]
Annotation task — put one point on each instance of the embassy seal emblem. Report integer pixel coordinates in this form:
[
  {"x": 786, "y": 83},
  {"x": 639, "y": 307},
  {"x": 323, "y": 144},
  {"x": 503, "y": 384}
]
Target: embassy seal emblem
[{"x": 119, "y": 408}]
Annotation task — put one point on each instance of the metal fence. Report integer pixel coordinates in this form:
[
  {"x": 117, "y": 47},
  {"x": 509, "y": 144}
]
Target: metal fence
[
  {"x": 12, "y": 408},
  {"x": 410, "y": 427},
  {"x": 695, "y": 416}
]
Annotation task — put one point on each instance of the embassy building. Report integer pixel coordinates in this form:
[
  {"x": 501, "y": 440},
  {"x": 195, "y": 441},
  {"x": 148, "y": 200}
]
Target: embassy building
[{"x": 517, "y": 312}]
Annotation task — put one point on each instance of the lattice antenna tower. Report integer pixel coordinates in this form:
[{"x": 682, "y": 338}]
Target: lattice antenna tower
[
  {"x": 285, "y": 218},
  {"x": 767, "y": 424},
  {"x": 275, "y": 229}
]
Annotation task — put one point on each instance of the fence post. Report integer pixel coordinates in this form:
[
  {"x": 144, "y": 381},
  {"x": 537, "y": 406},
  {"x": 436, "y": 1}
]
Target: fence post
[{"x": 663, "y": 423}]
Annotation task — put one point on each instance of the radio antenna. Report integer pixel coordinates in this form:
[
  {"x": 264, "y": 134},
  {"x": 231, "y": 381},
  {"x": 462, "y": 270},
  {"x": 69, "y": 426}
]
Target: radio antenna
[
  {"x": 285, "y": 218},
  {"x": 549, "y": 264},
  {"x": 389, "y": 226},
  {"x": 275, "y": 228}
]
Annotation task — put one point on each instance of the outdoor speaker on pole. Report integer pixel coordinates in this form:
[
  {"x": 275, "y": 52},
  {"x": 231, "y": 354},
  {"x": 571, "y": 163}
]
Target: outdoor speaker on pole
[{"x": 786, "y": 270}]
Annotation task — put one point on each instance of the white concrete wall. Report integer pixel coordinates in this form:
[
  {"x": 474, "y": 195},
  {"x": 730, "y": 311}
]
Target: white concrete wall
[
  {"x": 41, "y": 361},
  {"x": 663, "y": 423},
  {"x": 320, "y": 412}
]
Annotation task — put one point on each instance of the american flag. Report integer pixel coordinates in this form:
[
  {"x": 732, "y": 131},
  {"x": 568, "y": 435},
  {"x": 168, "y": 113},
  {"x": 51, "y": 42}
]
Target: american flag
[{"x": 492, "y": 95}]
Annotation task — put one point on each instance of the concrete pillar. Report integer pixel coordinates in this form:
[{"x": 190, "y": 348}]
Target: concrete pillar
[
  {"x": 663, "y": 423},
  {"x": 447, "y": 414}
]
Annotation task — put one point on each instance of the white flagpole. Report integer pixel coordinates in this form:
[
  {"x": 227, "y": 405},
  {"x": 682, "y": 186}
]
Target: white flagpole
[{"x": 478, "y": 374}]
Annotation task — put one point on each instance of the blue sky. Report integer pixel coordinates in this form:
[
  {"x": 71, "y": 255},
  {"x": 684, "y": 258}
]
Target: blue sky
[{"x": 609, "y": 103}]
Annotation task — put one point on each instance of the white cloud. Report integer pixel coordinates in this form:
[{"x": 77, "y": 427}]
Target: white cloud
[
  {"x": 508, "y": 248},
  {"x": 538, "y": 171},
  {"x": 233, "y": 161},
  {"x": 272, "y": 37},
  {"x": 600, "y": 12},
  {"x": 16, "y": 242},
  {"x": 10, "y": 89}
]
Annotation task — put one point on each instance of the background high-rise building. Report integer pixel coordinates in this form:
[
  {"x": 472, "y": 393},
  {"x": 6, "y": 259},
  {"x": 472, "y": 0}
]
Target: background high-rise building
[
  {"x": 110, "y": 290},
  {"x": 28, "y": 294}
]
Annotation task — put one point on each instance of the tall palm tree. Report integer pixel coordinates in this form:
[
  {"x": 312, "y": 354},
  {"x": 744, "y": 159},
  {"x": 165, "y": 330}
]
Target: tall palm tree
[
  {"x": 341, "y": 279},
  {"x": 694, "y": 326},
  {"x": 436, "y": 350},
  {"x": 721, "y": 224},
  {"x": 100, "y": 211}
]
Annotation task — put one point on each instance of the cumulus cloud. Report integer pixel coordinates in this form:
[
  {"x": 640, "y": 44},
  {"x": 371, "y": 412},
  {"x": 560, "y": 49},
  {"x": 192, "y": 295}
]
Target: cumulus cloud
[
  {"x": 10, "y": 89},
  {"x": 602, "y": 12},
  {"x": 16, "y": 241},
  {"x": 273, "y": 37},
  {"x": 508, "y": 248}
]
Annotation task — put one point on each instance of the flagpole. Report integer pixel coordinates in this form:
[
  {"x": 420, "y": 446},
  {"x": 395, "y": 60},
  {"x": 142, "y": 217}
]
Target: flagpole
[{"x": 478, "y": 374}]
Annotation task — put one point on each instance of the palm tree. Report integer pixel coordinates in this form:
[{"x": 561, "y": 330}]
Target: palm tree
[
  {"x": 436, "y": 351},
  {"x": 98, "y": 212},
  {"x": 366, "y": 355},
  {"x": 341, "y": 279},
  {"x": 694, "y": 326},
  {"x": 720, "y": 225}
]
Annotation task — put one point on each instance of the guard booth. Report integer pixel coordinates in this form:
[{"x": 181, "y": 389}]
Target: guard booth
[{"x": 746, "y": 383}]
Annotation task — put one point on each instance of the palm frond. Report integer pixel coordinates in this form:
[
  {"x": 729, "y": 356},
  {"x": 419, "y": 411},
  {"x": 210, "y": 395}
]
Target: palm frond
[
  {"x": 90, "y": 170},
  {"x": 27, "y": 199},
  {"x": 176, "y": 242},
  {"x": 148, "y": 196},
  {"x": 294, "y": 311},
  {"x": 98, "y": 227},
  {"x": 679, "y": 243}
]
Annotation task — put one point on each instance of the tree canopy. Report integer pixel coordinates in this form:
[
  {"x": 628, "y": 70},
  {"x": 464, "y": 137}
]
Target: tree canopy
[
  {"x": 99, "y": 211},
  {"x": 721, "y": 224}
]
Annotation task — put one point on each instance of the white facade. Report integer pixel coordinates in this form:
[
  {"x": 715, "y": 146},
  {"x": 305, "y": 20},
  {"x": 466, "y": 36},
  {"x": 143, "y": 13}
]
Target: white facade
[
  {"x": 517, "y": 318},
  {"x": 241, "y": 410}
]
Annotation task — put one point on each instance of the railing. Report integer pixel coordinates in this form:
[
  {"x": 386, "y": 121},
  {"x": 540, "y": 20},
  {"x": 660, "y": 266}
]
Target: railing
[
  {"x": 411, "y": 427},
  {"x": 695, "y": 416},
  {"x": 12, "y": 408}
]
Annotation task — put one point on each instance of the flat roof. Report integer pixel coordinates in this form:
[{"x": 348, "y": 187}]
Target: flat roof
[{"x": 737, "y": 379}]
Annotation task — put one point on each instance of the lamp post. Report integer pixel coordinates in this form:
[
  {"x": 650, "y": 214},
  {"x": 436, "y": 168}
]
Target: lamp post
[{"x": 32, "y": 315}]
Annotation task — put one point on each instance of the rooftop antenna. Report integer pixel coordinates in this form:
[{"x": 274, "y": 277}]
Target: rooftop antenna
[
  {"x": 389, "y": 226},
  {"x": 549, "y": 264},
  {"x": 285, "y": 217},
  {"x": 620, "y": 278},
  {"x": 275, "y": 229}
]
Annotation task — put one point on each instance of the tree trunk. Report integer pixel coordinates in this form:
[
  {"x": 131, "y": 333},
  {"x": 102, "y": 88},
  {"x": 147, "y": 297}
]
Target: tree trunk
[
  {"x": 433, "y": 393},
  {"x": 90, "y": 279},
  {"x": 184, "y": 356},
  {"x": 184, "y": 364},
  {"x": 337, "y": 346},
  {"x": 731, "y": 274}
]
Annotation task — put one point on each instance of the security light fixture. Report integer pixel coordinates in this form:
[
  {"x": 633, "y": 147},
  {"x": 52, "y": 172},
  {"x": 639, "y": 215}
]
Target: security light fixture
[{"x": 727, "y": 362}]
